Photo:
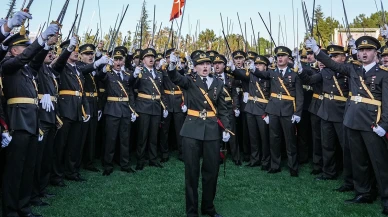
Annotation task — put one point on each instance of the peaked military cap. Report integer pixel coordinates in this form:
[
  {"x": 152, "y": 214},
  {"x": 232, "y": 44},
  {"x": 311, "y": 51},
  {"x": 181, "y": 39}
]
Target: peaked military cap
[
  {"x": 262, "y": 59},
  {"x": 282, "y": 50},
  {"x": 87, "y": 48},
  {"x": 219, "y": 58},
  {"x": 239, "y": 53},
  {"x": 367, "y": 42},
  {"x": 17, "y": 40},
  {"x": 147, "y": 52},
  {"x": 201, "y": 58}
]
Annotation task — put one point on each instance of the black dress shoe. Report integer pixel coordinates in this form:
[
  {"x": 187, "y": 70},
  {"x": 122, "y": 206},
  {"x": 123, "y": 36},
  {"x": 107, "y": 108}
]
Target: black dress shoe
[
  {"x": 79, "y": 178},
  {"x": 128, "y": 170},
  {"x": 325, "y": 178},
  {"x": 156, "y": 165},
  {"x": 257, "y": 164},
  {"x": 248, "y": 165},
  {"x": 273, "y": 171},
  {"x": 93, "y": 169},
  {"x": 344, "y": 188},
  {"x": 265, "y": 167},
  {"x": 316, "y": 172},
  {"x": 164, "y": 160},
  {"x": 385, "y": 210},
  {"x": 58, "y": 184},
  {"x": 212, "y": 215},
  {"x": 294, "y": 173},
  {"x": 362, "y": 198},
  {"x": 107, "y": 172},
  {"x": 39, "y": 203},
  {"x": 139, "y": 167},
  {"x": 46, "y": 195},
  {"x": 32, "y": 215}
]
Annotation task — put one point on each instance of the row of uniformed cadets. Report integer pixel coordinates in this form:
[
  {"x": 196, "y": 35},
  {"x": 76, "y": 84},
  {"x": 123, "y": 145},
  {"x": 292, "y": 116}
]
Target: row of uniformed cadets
[{"x": 74, "y": 95}]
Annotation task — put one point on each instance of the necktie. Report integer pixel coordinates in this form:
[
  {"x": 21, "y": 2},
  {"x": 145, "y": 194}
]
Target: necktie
[
  {"x": 281, "y": 73},
  {"x": 153, "y": 74},
  {"x": 205, "y": 82},
  {"x": 120, "y": 75},
  {"x": 75, "y": 69}
]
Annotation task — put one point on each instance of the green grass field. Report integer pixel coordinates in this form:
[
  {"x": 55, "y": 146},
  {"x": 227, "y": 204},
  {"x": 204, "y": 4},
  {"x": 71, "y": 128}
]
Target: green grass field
[{"x": 244, "y": 192}]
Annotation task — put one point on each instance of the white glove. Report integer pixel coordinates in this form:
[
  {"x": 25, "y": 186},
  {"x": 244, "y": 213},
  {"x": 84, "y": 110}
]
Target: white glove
[
  {"x": 17, "y": 19},
  {"x": 295, "y": 118},
  {"x": 225, "y": 136},
  {"x": 110, "y": 62},
  {"x": 133, "y": 117},
  {"x": 136, "y": 72},
  {"x": 379, "y": 131},
  {"x": 6, "y": 139},
  {"x": 231, "y": 65},
  {"x": 295, "y": 53},
  {"x": 173, "y": 58},
  {"x": 245, "y": 97},
  {"x": 86, "y": 119},
  {"x": 352, "y": 43},
  {"x": 46, "y": 103},
  {"x": 165, "y": 113},
  {"x": 311, "y": 43},
  {"x": 188, "y": 58},
  {"x": 384, "y": 32},
  {"x": 236, "y": 113},
  {"x": 40, "y": 138},
  {"x": 270, "y": 60},
  {"x": 99, "y": 114},
  {"x": 73, "y": 43},
  {"x": 52, "y": 29},
  {"x": 184, "y": 108},
  {"x": 2, "y": 22},
  {"x": 299, "y": 65},
  {"x": 103, "y": 60},
  {"x": 266, "y": 119},
  {"x": 252, "y": 66},
  {"x": 162, "y": 62}
]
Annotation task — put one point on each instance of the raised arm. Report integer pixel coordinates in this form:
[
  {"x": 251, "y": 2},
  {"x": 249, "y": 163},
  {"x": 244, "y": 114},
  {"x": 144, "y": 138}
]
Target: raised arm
[
  {"x": 178, "y": 79},
  {"x": 310, "y": 79}
]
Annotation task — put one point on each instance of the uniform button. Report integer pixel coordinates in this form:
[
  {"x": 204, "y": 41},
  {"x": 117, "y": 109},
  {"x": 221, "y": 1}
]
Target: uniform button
[
  {"x": 333, "y": 85},
  {"x": 205, "y": 102},
  {"x": 257, "y": 91},
  {"x": 360, "y": 89}
]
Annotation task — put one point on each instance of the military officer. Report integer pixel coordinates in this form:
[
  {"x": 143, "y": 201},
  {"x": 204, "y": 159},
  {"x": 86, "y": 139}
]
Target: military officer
[
  {"x": 119, "y": 112},
  {"x": 284, "y": 108},
  {"x": 201, "y": 133},
  {"x": 150, "y": 103},
  {"x": 365, "y": 118},
  {"x": 21, "y": 92}
]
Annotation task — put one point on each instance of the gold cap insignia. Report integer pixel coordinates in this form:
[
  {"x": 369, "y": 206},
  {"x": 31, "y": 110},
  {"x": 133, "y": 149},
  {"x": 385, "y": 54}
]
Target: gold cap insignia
[
  {"x": 385, "y": 50},
  {"x": 88, "y": 48},
  {"x": 150, "y": 51},
  {"x": 202, "y": 56},
  {"x": 331, "y": 49},
  {"x": 280, "y": 50},
  {"x": 118, "y": 53},
  {"x": 211, "y": 54},
  {"x": 364, "y": 42},
  {"x": 218, "y": 58},
  {"x": 238, "y": 53}
]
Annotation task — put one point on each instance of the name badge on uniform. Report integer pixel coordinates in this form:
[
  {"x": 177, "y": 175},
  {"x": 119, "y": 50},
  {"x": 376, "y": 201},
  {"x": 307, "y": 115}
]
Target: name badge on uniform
[
  {"x": 373, "y": 86},
  {"x": 215, "y": 93}
]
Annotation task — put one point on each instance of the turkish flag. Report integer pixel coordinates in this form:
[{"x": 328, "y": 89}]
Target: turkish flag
[{"x": 176, "y": 11}]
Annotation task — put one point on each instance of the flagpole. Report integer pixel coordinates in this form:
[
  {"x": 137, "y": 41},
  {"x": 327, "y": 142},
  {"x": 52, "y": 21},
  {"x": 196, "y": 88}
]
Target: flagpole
[{"x": 180, "y": 27}]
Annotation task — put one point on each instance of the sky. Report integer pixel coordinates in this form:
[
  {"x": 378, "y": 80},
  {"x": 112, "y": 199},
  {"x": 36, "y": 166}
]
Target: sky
[{"x": 206, "y": 11}]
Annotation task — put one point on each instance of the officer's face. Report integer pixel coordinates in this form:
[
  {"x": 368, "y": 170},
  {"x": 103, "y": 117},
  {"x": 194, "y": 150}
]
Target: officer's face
[
  {"x": 183, "y": 65},
  {"x": 239, "y": 61},
  {"x": 16, "y": 50},
  {"x": 49, "y": 58},
  {"x": 136, "y": 61},
  {"x": 310, "y": 58},
  {"x": 261, "y": 67},
  {"x": 384, "y": 59},
  {"x": 203, "y": 69},
  {"x": 367, "y": 56},
  {"x": 219, "y": 67},
  {"x": 282, "y": 60},
  {"x": 149, "y": 61},
  {"x": 340, "y": 58},
  {"x": 321, "y": 66},
  {"x": 157, "y": 62},
  {"x": 87, "y": 57},
  {"x": 118, "y": 63},
  {"x": 73, "y": 56}
]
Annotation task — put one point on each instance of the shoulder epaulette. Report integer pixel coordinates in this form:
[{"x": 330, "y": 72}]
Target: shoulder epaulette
[
  {"x": 384, "y": 68},
  {"x": 127, "y": 73},
  {"x": 356, "y": 62}
]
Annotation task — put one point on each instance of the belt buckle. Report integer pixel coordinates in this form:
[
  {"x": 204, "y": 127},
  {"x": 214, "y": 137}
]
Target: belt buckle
[
  {"x": 173, "y": 92},
  {"x": 36, "y": 101},
  {"x": 91, "y": 94},
  {"x": 320, "y": 97},
  {"x": 54, "y": 99},
  {"x": 279, "y": 96},
  {"x": 255, "y": 99},
  {"x": 120, "y": 99},
  {"x": 153, "y": 97},
  {"x": 358, "y": 99},
  {"x": 331, "y": 96},
  {"x": 77, "y": 93},
  {"x": 203, "y": 114}
]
